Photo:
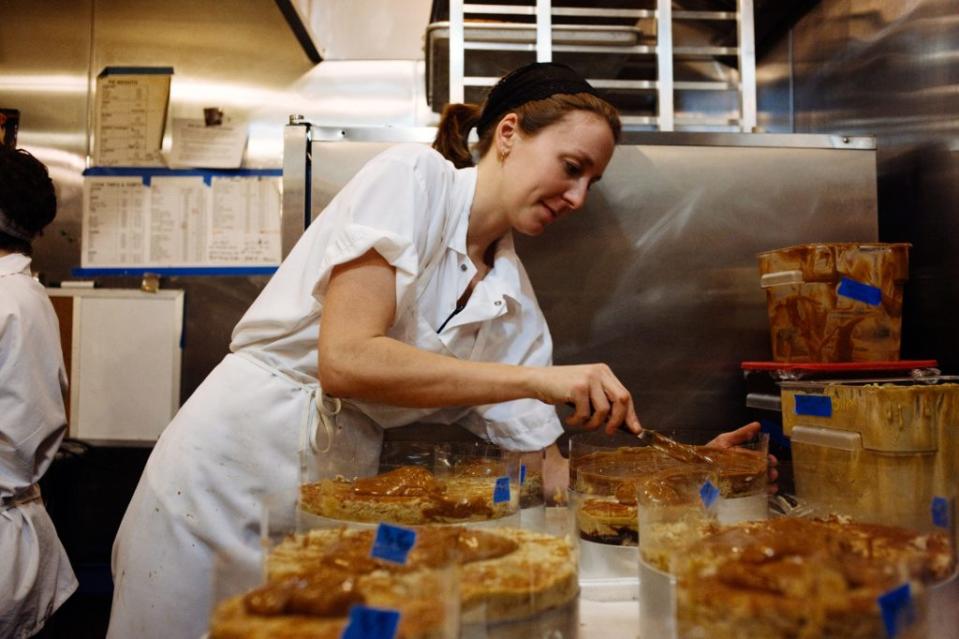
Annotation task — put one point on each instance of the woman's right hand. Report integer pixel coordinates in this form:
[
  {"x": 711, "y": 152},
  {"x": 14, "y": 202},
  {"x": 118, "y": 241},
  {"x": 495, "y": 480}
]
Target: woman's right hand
[{"x": 595, "y": 393}]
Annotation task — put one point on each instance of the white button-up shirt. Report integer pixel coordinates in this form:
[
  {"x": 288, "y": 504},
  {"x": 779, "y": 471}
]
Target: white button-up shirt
[
  {"x": 412, "y": 206},
  {"x": 36, "y": 576}
]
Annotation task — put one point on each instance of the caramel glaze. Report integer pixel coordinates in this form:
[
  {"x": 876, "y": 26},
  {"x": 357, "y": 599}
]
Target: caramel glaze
[
  {"x": 408, "y": 481},
  {"x": 608, "y": 508},
  {"x": 325, "y": 594},
  {"x": 328, "y": 586},
  {"x": 415, "y": 481},
  {"x": 862, "y": 551},
  {"x": 435, "y": 546},
  {"x": 620, "y": 472},
  {"x": 479, "y": 467}
]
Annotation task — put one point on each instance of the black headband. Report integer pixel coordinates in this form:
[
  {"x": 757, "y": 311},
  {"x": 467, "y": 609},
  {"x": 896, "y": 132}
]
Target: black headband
[{"x": 536, "y": 81}]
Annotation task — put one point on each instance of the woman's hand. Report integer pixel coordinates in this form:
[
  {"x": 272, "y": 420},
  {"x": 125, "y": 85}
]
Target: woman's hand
[
  {"x": 596, "y": 395},
  {"x": 744, "y": 434}
]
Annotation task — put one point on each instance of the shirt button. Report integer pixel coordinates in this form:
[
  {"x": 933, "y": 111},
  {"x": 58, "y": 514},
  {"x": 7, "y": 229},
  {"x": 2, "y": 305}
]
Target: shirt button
[
  {"x": 497, "y": 302},
  {"x": 463, "y": 267}
]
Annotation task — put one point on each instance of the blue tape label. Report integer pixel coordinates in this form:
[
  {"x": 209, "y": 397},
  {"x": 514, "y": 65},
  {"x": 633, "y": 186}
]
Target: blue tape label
[
  {"x": 522, "y": 474},
  {"x": 392, "y": 543},
  {"x": 898, "y": 613},
  {"x": 940, "y": 512},
  {"x": 501, "y": 491},
  {"x": 371, "y": 623},
  {"x": 860, "y": 292},
  {"x": 814, "y": 405},
  {"x": 708, "y": 492}
]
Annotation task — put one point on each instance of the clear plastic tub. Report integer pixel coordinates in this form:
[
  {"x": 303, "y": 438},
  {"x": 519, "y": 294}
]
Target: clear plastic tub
[
  {"x": 675, "y": 508},
  {"x": 604, "y": 473},
  {"x": 532, "y": 491},
  {"x": 419, "y": 483},
  {"x": 510, "y": 582},
  {"x": 603, "y": 516},
  {"x": 337, "y": 581},
  {"x": 795, "y": 577},
  {"x": 873, "y": 451},
  {"x": 835, "y": 302}
]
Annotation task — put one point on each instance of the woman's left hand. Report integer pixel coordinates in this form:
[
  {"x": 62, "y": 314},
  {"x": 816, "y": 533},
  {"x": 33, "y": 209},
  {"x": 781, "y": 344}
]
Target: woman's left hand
[{"x": 744, "y": 434}]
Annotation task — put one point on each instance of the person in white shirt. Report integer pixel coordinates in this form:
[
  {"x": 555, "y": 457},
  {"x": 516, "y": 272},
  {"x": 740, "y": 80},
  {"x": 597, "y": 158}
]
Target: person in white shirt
[
  {"x": 403, "y": 302},
  {"x": 36, "y": 577}
]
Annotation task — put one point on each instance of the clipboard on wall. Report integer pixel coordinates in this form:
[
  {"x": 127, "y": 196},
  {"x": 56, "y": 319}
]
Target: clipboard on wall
[{"x": 130, "y": 115}]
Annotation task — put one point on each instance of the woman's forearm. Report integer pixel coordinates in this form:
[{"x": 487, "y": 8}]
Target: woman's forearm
[
  {"x": 357, "y": 360},
  {"x": 391, "y": 372}
]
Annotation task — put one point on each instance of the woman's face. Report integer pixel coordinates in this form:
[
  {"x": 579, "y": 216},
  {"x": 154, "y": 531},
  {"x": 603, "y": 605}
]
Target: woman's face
[{"x": 549, "y": 173}]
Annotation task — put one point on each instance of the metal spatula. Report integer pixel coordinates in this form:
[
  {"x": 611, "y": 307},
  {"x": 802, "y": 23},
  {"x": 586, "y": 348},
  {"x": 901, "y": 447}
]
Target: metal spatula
[{"x": 671, "y": 447}]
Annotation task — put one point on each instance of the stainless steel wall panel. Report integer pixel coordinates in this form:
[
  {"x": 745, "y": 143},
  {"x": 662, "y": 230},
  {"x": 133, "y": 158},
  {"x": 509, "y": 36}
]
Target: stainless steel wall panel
[
  {"x": 240, "y": 56},
  {"x": 890, "y": 68},
  {"x": 657, "y": 276},
  {"x": 45, "y": 50}
]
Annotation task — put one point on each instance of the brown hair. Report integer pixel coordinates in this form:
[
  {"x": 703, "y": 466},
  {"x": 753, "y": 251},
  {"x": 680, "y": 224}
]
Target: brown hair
[
  {"x": 27, "y": 197},
  {"x": 458, "y": 119}
]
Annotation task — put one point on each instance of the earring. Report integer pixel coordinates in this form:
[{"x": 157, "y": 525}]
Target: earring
[{"x": 501, "y": 155}]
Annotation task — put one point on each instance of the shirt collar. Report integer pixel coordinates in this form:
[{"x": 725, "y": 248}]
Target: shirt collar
[
  {"x": 15, "y": 264},
  {"x": 465, "y": 191},
  {"x": 504, "y": 278}
]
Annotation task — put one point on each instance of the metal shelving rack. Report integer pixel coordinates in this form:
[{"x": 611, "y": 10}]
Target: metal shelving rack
[{"x": 655, "y": 30}]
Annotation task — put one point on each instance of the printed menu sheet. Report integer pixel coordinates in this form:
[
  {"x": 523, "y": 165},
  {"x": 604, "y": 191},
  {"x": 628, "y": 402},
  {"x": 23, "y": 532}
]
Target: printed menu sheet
[
  {"x": 130, "y": 115},
  {"x": 181, "y": 221}
]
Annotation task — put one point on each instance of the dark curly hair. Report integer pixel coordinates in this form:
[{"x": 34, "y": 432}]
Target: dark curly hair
[{"x": 27, "y": 197}]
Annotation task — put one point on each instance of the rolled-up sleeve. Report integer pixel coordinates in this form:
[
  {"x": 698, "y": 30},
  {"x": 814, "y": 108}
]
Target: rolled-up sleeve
[
  {"x": 384, "y": 212},
  {"x": 522, "y": 424}
]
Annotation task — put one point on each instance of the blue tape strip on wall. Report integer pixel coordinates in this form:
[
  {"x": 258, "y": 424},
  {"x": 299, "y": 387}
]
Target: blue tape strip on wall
[
  {"x": 136, "y": 171},
  {"x": 135, "y": 71},
  {"x": 173, "y": 271}
]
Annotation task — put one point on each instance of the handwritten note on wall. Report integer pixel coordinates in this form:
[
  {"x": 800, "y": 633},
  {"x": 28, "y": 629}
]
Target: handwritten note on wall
[{"x": 130, "y": 115}]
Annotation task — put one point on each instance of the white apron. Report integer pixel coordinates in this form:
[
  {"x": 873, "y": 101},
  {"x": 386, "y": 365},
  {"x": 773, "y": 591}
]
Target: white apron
[{"x": 182, "y": 514}]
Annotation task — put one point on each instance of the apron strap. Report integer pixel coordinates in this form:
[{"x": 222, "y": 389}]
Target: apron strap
[
  {"x": 323, "y": 409},
  {"x": 31, "y": 494}
]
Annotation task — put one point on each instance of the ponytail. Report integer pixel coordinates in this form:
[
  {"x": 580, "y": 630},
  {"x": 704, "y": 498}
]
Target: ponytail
[{"x": 453, "y": 133}]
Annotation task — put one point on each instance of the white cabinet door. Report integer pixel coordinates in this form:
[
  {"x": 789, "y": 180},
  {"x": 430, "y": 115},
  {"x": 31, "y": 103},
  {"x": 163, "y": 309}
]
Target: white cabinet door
[{"x": 123, "y": 361}]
